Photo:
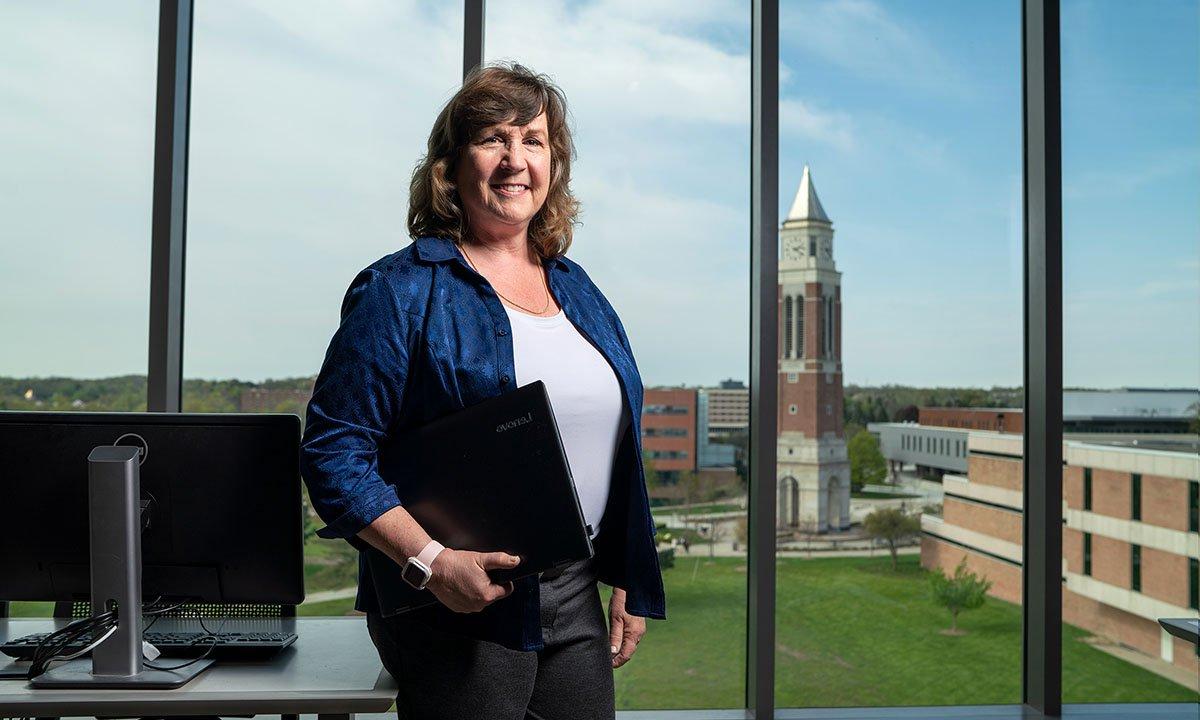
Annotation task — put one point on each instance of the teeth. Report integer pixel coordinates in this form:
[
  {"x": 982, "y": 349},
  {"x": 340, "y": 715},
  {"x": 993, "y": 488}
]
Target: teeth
[{"x": 511, "y": 188}]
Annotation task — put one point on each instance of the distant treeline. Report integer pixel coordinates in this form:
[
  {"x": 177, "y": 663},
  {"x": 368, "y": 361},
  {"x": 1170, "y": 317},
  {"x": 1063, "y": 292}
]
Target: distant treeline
[
  {"x": 127, "y": 393},
  {"x": 863, "y": 404},
  {"x": 899, "y": 403}
]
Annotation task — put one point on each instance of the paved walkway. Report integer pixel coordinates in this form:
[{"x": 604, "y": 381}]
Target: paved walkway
[
  {"x": 1155, "y": 665},
  {"x": 725, "y": 549},
  {"x": 327, "y": 595}
]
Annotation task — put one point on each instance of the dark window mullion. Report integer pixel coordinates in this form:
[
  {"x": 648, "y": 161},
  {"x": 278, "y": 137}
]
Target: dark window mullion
[
  {"x": 1042, "y": 341},
  {"x": 168, "y": 220}
]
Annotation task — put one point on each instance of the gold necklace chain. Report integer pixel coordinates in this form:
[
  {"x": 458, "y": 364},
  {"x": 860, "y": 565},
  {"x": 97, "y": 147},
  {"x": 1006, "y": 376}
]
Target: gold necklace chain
[{"x": 531, "y": 311}]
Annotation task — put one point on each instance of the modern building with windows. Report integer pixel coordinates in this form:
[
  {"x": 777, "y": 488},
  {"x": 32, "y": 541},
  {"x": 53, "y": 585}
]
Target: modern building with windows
[
  {"x": 1131, "y": 536},
  {"x": 669, "y": 430},
  {"x": 1135, "y": 418}
]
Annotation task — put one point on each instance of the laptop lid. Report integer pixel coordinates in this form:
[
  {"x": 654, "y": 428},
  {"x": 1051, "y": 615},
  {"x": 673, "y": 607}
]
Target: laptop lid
[{"x": 496, "y": 477}]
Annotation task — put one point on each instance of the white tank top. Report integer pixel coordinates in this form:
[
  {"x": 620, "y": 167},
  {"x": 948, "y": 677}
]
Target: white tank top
[{"x": 586, "y": 397}]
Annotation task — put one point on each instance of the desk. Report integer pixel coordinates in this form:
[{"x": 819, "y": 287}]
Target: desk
[{"x": 331, "y": 670}]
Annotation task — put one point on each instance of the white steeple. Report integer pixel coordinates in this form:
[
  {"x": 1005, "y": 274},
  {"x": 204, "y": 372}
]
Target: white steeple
[{"x": 807, "y": 206}]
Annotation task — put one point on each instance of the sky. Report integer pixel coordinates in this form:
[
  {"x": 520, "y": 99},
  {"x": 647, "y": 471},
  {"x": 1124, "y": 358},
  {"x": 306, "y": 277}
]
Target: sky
[{"x": 306, "y": 125}]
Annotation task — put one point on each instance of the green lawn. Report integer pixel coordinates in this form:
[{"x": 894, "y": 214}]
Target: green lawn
[
  {"x": 30, "y": 609},
  {"x": 329, "y": 564},
  {"x": 696, "y": 509},
  {"x": 851, "y": 632},
  {"x": 329, "y": 607}
]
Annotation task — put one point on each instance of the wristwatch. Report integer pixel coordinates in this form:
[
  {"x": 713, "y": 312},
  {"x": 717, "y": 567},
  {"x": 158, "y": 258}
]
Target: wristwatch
[{"x": 417, "y": 570}]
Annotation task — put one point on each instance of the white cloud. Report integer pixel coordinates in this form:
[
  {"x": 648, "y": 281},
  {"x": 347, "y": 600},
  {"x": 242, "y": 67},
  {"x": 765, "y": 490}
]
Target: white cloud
[
  {"x": 802, "y": 118},
  {"x": 866, "y": 39}
]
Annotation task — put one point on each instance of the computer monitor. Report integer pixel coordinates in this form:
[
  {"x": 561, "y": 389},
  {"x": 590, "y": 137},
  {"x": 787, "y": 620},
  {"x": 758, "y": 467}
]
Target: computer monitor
[{"x": 221, "y": 510}]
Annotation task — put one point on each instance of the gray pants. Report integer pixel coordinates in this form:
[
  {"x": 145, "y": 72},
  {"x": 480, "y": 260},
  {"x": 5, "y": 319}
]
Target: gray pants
[{"x": 446, "y": 676}]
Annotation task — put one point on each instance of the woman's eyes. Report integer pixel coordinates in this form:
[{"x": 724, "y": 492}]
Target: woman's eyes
[{"x": 490, "y": 138}]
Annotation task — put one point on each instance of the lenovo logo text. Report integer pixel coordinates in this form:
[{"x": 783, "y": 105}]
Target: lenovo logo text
[{"x": 515, "y": 422}]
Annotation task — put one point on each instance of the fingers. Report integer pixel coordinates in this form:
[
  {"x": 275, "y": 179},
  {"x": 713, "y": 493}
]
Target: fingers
[
  {"x": 498, "y": 592},
  {"x": 466, "y": 588},
  {"x": 497, "y": 560},
  {"x": 616, "y": 630},
  {"x": 632, "y": 630}
]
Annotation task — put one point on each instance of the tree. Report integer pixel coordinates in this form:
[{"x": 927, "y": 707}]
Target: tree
[
  {"x": 892, "y": 526},
  {"x": 963, "y": 591},
  {"x": 689, "y": 480},
  {"x": 652, "y": 478},
  {"x": 866, "y": 462}
]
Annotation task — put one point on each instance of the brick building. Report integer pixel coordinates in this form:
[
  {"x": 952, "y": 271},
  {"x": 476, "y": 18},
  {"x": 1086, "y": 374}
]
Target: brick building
[
  {"x": 669, "y": 430},
  {"x": 1150, "y": 411},
  {"x": 1010, "y": 420},
  {"x": 1131, "y": 537}
]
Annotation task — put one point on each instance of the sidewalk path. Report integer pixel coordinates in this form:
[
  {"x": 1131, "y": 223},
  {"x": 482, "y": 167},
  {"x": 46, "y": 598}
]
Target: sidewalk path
[{"x": 327, "y": 595}]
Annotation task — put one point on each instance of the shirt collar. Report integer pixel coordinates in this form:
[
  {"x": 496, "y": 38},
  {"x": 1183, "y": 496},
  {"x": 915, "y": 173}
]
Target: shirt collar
[{"x": 441, "y": 249}]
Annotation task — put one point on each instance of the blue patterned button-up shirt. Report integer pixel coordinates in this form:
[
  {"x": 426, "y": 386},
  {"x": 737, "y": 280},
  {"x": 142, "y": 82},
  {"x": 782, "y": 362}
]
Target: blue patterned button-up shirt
[{"x": 422, "y": 335}]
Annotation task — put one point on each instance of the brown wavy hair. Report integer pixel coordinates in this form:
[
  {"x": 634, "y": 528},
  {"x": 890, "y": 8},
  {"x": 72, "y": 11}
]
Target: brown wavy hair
[{"x": 501, "y": 93}]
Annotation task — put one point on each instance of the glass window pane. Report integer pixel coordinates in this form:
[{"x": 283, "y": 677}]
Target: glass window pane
[
  {"x": 306, "y": 126},
  {"x": 1131, "y": 346},
  {"x": 77, "y": 149},
  {"x": 660, "y": 98},
  {"x": 305, "y": 130},
  {"x": 900, "y": 152}
]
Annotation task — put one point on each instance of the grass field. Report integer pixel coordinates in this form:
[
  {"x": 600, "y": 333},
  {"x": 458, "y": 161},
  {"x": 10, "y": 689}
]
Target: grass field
[
  {"x": 873, "y": 495},
  {"x": 851, "y": 632},
  {"x": 696, "y": 509}
]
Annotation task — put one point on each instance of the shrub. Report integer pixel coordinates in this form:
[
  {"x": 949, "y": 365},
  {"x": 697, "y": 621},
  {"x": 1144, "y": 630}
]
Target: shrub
[{"x": 962, "y": 591}]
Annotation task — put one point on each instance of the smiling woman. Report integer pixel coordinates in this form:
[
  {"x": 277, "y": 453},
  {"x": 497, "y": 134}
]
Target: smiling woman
[
  {"x": 513, "y": 126},
  {"x": 482, "y": 302}
]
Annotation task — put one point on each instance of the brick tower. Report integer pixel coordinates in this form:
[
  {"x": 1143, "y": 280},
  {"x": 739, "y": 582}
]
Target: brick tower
[{"x": 813, "y": 467}]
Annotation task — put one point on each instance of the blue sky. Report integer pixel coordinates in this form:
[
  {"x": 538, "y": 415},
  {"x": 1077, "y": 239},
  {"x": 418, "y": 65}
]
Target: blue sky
[{"x": 306, "y": 125}]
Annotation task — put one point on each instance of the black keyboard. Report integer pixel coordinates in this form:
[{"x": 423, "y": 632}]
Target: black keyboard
[{"x": 229, "y": 645}]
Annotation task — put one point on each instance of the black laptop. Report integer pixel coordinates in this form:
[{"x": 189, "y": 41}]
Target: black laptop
[{"x": 496, "y": 478}]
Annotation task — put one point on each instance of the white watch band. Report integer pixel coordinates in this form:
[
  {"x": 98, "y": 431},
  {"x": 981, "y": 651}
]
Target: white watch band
[{"x": 429, "y": 553}]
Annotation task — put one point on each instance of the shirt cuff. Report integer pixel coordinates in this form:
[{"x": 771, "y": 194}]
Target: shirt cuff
[{"x": 361, "y": 514}]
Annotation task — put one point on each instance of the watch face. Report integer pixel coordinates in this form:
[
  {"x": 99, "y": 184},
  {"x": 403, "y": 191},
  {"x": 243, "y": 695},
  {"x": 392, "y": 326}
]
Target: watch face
[{"x": 414, "y": 575}]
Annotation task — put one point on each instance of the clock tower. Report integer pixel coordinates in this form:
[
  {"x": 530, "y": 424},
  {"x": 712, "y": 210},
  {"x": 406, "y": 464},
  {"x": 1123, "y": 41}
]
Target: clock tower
[{"x": 813, "y": 466}]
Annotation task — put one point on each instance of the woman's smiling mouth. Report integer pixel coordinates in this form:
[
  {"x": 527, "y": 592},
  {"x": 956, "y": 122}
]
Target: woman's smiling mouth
[{"x": 510, "y": 189}]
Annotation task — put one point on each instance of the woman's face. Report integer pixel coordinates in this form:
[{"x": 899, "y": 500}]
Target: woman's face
[{"x": 503, "y": 176}]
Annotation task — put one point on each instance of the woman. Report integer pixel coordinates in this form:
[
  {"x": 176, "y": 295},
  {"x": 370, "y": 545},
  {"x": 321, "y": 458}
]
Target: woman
[{"x": 484, "y": 301}]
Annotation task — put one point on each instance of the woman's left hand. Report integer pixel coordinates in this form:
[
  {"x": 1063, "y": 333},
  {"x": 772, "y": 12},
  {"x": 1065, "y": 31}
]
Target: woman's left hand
[{"x": 625, "y": 631}]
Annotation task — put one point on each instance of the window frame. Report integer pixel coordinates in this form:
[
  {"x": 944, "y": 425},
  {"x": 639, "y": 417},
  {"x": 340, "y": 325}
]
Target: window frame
[{"x": 1041, "y": 340}]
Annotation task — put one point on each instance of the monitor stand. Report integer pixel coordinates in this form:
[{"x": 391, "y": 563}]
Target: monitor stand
[{"x": 114, "y": 486}]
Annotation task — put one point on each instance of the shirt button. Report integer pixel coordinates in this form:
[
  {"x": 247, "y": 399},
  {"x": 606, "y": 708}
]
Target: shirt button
[
  {"x": 501, "y": 333},
  {"x": 504, "y": 379}
]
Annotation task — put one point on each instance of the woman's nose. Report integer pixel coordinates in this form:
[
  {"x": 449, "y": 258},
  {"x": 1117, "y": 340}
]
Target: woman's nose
[{"x": 513, "y": 158}]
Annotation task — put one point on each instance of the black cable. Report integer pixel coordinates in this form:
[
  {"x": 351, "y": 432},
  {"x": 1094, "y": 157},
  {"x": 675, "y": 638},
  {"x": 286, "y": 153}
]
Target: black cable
[
  {"x": 73, "y": 631},
  {"x": 209, "y": 635},
  {"x": 54, "y": 643}
]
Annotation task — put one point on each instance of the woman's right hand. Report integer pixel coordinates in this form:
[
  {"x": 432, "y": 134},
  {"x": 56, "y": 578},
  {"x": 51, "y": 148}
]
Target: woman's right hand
[{"x": 460, "y": 581}]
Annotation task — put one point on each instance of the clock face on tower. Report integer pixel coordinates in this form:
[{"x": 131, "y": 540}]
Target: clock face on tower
[{"x": 791, "y": 248}]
